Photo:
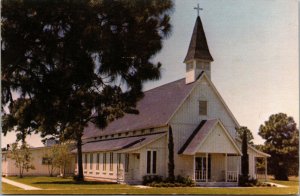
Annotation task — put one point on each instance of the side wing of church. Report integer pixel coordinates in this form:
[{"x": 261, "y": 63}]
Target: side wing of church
[{"x": 203, "y": 127}]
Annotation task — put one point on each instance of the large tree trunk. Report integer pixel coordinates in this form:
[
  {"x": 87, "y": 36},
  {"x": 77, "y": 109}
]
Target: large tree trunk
[{"x": 80, "y": 176}]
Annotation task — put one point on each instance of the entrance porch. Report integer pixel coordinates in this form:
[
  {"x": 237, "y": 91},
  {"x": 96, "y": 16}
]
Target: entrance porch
[{"x": 216, "y": 169}]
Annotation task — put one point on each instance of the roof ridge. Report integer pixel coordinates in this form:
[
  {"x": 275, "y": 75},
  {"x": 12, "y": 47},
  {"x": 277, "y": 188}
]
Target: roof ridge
[{"x": 163, "y": 85}]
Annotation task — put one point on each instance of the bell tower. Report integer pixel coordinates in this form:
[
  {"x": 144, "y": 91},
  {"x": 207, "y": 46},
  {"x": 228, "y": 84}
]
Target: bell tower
[{"x": 198, "y": 57}]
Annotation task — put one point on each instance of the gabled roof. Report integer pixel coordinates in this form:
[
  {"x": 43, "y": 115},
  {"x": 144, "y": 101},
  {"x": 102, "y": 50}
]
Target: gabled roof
[
  {"x": 125, "y": 143},
  {"x": 200, "y": 134},
  {"x": 155, "y": 110},
  {"x": 198, "y": 48}
]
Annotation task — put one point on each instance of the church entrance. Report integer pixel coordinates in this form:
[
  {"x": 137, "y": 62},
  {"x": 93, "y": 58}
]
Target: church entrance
[{"x": 203, "y": 168}]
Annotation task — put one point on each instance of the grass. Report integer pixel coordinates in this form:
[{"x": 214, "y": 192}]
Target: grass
[
  {"x": 7, "y": 188},
  {"x": 53, "y": 185}
]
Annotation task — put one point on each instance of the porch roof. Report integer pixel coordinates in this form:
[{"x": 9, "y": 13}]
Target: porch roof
[
  {"x": 126, "y": 143},
  {"x": 200, "y": 134}
]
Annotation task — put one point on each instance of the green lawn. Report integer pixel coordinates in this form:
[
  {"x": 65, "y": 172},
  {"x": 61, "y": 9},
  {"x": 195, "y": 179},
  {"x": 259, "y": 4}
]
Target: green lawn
[
  {"x": 67, "y": 186},
  {"x": 8, "y": 188}
]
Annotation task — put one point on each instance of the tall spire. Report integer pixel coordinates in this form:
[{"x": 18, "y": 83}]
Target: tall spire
[
  {"x": 198, "y": 57},
  {"x": 198, "y": 48}
]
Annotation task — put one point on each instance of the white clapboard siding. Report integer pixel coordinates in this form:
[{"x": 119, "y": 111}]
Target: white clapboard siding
[
  {"x": 218, "y": 142},
  {"x": 41, "y": 169},
  {"x": 160, "y": 146},
  {"x": 188, "y": 113}
]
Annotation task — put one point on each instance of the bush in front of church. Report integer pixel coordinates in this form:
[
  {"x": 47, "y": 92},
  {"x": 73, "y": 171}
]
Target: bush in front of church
[{"x": 158, "y": 181}]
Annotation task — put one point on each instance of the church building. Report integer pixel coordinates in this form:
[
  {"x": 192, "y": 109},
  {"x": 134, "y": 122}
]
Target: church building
[{"x": 206, "y": 147}]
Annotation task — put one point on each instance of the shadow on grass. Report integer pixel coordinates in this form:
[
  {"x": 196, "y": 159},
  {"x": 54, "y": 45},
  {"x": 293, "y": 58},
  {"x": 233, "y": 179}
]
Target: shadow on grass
[{"x": 75, "y": 182}]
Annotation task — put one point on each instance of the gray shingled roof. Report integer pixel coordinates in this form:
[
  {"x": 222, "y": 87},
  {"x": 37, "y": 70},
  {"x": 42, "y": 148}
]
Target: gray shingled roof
[
  {"x": 119, "y": 143},
  {"x": 198, "y": 48},
  {"x": 155, "y": 109}
]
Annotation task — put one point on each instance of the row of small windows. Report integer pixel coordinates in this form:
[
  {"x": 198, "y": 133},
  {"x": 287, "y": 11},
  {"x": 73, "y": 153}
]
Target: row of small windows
[
  {"x": 104, "y": 161},
  {"x": 151, "y": 161},
  {"x": 202, "y": 66},
  {"x": 124, "y": 134}
]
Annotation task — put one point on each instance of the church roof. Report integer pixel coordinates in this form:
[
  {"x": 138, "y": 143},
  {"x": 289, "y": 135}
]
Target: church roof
[
  {"x": 155, "y": 109},
  {"x": 197, "y": 136},
  {"x": 198, "y": 48},
  {"x": 125, "y": 143},
  {"x": 200, "y": 134}
]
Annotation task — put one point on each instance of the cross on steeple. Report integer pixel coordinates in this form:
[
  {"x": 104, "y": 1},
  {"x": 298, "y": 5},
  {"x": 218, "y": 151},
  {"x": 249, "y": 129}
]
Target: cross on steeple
[{"x": 198, "y": 8}]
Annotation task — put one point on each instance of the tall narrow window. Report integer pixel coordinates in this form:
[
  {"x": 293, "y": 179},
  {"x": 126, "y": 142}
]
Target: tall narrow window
[
  {"x": 154, "y": 162},
  {"x": 202, "y": 107},
  {"x": 111, "y": 161},
  {"x": 98, "y": 161},
  {"x": 148, "y": 162},
  {"x": 151, "y": 162},
  {"x": 85, "y": 161},
  {"x": 119, "y": 161},
  {"x": 104, "y": 161},
  {"x": 91, "y": 161},
  {"x": 126, "y": 162}
]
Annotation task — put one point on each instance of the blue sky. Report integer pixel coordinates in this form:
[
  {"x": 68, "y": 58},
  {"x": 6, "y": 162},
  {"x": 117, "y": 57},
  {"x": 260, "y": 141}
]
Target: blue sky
[{"x": 254, "y": 44}]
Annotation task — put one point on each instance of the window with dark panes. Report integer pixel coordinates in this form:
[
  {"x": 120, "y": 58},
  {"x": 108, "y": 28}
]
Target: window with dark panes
[
  {"x": 202, "y": 107},
  {"x": 91, "y": 161},
  {"x": 148, "y": 162},
  {"x": 151, "y": 162}
]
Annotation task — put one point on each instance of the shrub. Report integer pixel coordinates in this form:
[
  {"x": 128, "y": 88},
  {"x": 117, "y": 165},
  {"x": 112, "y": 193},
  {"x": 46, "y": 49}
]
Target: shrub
[
  {"x": 152, "y": 178},
  {"x": 157, "y": 181},
  {"x": 248, "y": 182}
]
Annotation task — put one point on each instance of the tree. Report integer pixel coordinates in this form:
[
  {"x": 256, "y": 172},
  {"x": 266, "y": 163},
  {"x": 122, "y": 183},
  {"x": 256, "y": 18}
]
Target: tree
[
  {"x": 64, "y": 157},
  {"x": 80, "y": 62},
  {"x": 58, "y": 157},
  {"x": 50, "y": 158},
  {"x": 22, "y": 157},
  {"x": 171, "y": 165},
  {"x": 245, "y": 157},
  {"x": 240, "y": 131},
  {"x": 19, "y": 120},
  {"x": 281, "y": 142}
]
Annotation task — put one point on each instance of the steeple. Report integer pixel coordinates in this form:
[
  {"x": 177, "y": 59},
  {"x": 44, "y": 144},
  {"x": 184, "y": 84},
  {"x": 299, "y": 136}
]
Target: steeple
[{"x": 198, "y": 57}]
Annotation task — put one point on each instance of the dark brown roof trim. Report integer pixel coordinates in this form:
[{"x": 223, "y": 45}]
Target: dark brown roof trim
[{"x": 191, "y": 137}]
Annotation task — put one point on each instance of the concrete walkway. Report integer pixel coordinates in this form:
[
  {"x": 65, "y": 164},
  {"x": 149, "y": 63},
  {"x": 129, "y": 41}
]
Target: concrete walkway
[{"x": 20, "y": 185}]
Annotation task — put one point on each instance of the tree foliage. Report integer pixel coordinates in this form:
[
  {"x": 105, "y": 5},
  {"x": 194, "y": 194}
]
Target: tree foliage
[
  {"x": 282, "y": 143},
  {"x": 240, "y": 131},
  {"x": 245, "y": 157},
  {"x": 22, "y": 157},
  {"x": 50, "y": 159},
  {"x": 19, "y": 120},
  {"x": 171, "y": 164},
  {"x": 58, "y": 157},
  {"x": 80, "y": 62}
]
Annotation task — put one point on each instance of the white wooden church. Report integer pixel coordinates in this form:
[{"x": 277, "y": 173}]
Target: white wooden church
[{"x": 204, "y": 131}]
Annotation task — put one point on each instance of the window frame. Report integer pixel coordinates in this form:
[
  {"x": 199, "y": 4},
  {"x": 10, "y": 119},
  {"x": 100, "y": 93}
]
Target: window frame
[
  {"x": 151, "y": 162},
  {"x": 203, "y": 109},
  {"x": 104, "y": 162},
  {"x": 111, "y": 161}
]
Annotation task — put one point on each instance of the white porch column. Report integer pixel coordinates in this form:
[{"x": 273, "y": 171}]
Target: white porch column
[
  {"x": 194, "y": 168},
  {"x": 266, "y": 168},
  {"x": 237, "y": 167},
  {"x": 225, "y": 167},
  {"x": 206, "y": 169}
]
